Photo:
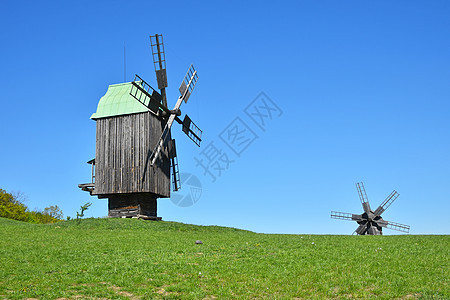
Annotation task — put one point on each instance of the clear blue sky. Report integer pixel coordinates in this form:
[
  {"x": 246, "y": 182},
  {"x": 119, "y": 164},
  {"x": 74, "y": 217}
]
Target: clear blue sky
[{"x": 363, "y": 88}]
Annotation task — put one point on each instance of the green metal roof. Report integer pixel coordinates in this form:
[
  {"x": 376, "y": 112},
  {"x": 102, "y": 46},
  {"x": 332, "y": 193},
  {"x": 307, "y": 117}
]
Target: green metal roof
[{"x": 118, "y": 101}]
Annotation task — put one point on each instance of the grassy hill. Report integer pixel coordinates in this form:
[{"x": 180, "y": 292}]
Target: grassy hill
[{"x": 128, "y": 258}]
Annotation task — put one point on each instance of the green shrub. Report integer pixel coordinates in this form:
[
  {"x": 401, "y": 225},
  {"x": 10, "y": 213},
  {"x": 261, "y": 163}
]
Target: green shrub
[{"x": 12, "y": 208}]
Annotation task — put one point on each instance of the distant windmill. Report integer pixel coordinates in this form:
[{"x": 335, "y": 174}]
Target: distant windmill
[
  {"x": 370, "y": 222},
  {"x": 135, "y": 152}
]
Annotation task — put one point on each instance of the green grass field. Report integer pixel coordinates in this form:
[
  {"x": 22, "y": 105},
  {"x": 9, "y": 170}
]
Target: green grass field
[{"x": 129, "y": 258}]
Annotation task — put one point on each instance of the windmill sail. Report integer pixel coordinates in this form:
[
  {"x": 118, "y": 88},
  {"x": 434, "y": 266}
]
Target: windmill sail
[
  {"x": 159, "y": 60},
  {"x": 345, "y": 216},
  {"x": 188, "y": 83},
  {"x": 145, "y": 94},
  {"x": 174, "y": 165},
  {"x": 394, "y": 226},
  {"x": 192, "y": 130},
  {"x": 386, "y": 203},
  {"x": 363, "y": 197}
]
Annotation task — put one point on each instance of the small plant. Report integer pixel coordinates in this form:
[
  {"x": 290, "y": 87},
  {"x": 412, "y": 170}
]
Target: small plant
[{"x": 83, "y": 208}]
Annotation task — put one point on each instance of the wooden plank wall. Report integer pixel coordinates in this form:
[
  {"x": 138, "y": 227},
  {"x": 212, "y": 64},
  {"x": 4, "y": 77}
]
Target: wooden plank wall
[
  {"x": 132, "y": 205},
  {"x": 122, "y": 161}
]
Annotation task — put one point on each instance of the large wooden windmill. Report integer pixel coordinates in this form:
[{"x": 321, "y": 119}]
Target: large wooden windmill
[
  {"x": 135, "y": 153},
  {"x": 370, "y": 222}
]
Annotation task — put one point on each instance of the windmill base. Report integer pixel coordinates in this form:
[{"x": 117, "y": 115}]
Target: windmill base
[
  {"x": 141, "y": 205},
  {"x": 371, "y": 233}
]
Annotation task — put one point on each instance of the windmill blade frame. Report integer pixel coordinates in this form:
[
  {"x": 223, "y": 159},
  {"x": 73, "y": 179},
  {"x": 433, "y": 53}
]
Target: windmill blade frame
[
  {"x": 176, "y": 182},
  {"x": 146, "y": 95},
  {"x": 363, "y": 197},
  {"x": 159, "y": 60},
  {"x": 165, "y": 134},
  {"x": 345, "y": 216},
  {"x": 188, "y": 83},
  {"x": 386, "y": 203},
  {"x": 394, "y": 226}
]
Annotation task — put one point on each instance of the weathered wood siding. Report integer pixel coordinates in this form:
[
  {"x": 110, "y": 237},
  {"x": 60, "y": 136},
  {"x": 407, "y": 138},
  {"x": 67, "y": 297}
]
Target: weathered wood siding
[{"x": 122, "y": 161}]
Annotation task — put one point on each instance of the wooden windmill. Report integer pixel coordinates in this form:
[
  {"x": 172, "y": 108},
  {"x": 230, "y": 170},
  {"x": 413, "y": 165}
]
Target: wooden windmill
[
  {"x": 135, "y": 153},
  {"x": 370, "y": 222}
]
